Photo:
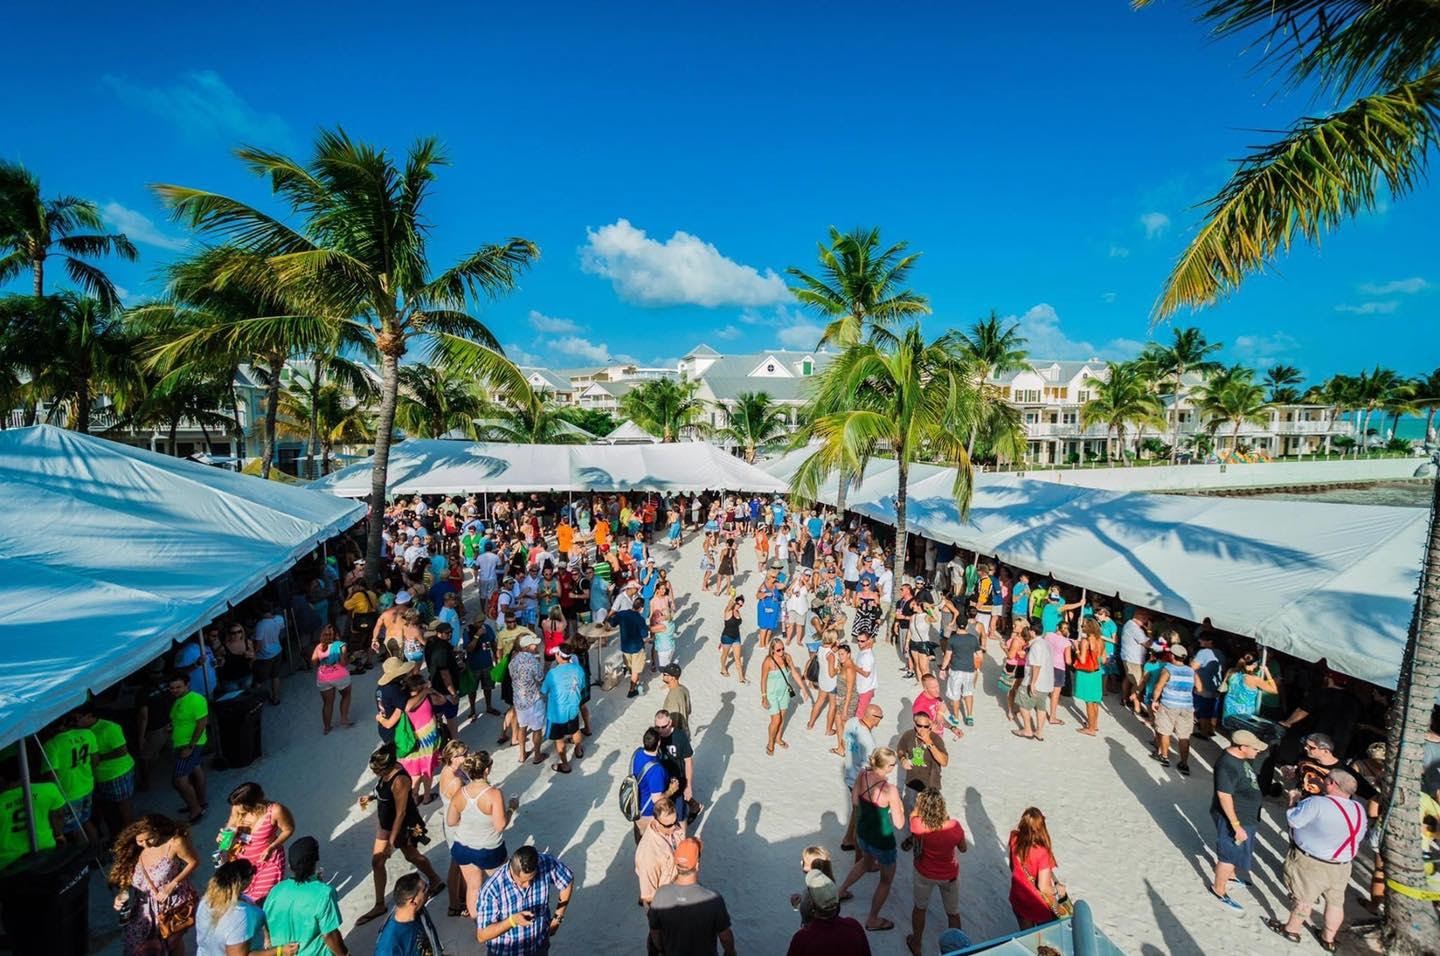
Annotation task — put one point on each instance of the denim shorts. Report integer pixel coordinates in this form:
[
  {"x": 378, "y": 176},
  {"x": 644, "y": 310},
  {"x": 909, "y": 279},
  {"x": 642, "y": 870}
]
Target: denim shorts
[
  {"x": 491, "y": 859},
  {"x": 1227, "y": 850},
  {"x": 883, "y": 856}
]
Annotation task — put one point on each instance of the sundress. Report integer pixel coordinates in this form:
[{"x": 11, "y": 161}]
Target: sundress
[
  {"x": 423, "y": 760},
  {"x": 269, "y": 867},
  {"x": 143, "y": 932}
]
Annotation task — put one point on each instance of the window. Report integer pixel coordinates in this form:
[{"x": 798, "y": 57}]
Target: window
[
  {"x": 1068, "y": 418},
  {"x": 1056, "y": 393},
  {"x": 1085, "y": 394},
  {"x": 807, "y": 367},
  {"x": 770, "y": 368},
  {"x": 1027, "y": 395}
]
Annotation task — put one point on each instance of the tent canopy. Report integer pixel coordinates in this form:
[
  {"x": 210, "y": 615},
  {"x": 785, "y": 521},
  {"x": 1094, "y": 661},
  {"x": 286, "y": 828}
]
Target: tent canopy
[
  {"x": 441, "y": 466},
  {"x": 629, "y": 433},
  {"x": 113, "y": 552},
  {"x": 1312, "y": 579}
]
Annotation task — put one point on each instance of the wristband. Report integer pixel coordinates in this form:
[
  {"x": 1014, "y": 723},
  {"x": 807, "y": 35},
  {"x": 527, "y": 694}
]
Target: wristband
[{"x": 513, "y": 924}]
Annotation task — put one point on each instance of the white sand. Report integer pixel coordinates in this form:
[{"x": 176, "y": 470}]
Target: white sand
[{"x": 1131, "y": 838}]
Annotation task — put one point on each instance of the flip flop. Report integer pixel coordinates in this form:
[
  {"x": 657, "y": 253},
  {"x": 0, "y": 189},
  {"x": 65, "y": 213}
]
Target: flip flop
[
  {"x": 847, "y": 895},
  {"x": 370, "y": 916},
  {"x": 559, "y": 768},
  {"x": 1017, "y": 733},
  {"x": 1318, "y": 933},
  {"x": 539, "y": 759},
  {"x": 884, "y": 925},
  {"x": 579, "y": 752},
  {"x": 1277, "y": 927}
]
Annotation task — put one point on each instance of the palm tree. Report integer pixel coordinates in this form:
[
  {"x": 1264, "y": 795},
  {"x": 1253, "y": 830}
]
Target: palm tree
[
  {"x": 33, "y": 228},
  {"x": 1232, "y": 396},
  {"x": 330, "y": 413},
  {"x": 1188, "y": 351},
  {"x": 530, "y": 417},
  {"x": 434, "y": 402},
  {"x": 1338, "y": 395},
  {"x": 358, "y": 257},
  {"x": 1376, "y": 390},
  {"x": 1124, "y": 396},
  {"x": 1427, "y": 397},
  {"x": 860, "y": 289},
  {"x": 325, "y": 366},
  {"x": 753, "y": 421},
  {"x": 188, "y": 393},
  {"x": 664, "y": 407},
  {"x": 911, "y": 399},
  {"x": 991, "y": 349},
  {"x": 1282, "y": 380}
]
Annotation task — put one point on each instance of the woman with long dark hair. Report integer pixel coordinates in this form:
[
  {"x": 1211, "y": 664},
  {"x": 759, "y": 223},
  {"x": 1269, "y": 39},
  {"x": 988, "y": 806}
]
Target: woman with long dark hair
[
  {"x": 1033, "y": 890},
  {"x": 153, "y": 861},
  {"x": 262, "y": 827}
]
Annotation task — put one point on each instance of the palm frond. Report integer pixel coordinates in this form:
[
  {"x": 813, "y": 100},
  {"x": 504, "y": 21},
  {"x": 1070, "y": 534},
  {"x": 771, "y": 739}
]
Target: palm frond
[{"x": 490, "y": 272}]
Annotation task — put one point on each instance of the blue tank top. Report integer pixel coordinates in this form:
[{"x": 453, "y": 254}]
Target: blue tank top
[
  {"x": 1179, "y": 689},
  {"x": 1240, "y": 698}
]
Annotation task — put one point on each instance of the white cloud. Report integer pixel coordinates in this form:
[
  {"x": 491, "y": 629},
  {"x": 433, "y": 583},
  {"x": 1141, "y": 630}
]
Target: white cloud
[
  {"x": 1108, "y": 297},
  {"x": 1155, "y": 224},
  {"x": 1370, "y": 308},
  {"x": 1263, "y": 349},
  {"x": 550, "y": 325},
  {"x": 1401, "y": 286},
  {"x": 582, "y": 348},
  {"x": 682, "y": 270},
  {"x": 1045, "y": 339},
  {"x": 122, "y": 293},
  {"x": 1119, "y": 252},
  {"x": 728, "y": 333},
  {"x": 801, "y": 335},
  {"x": 139, "y": 228},
  {"x": 204, "y": 107},
  {"x": 519, "y": 356}
]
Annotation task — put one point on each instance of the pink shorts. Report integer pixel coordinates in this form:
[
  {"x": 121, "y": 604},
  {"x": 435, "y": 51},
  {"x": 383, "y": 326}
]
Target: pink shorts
[{"x": 863, "y": 703}]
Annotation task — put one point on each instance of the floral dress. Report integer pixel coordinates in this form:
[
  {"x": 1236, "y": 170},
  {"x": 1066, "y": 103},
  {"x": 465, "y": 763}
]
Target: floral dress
[{"x": 142, "y": 934}]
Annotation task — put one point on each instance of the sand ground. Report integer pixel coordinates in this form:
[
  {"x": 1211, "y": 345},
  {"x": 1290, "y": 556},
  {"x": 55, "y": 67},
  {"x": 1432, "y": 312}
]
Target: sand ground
[{"x": 1132, "y": 838}]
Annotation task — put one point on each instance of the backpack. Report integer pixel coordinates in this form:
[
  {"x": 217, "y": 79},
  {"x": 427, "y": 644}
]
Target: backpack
[
  {"x": 492, "y": 605},
  {"x": 630, "y": 793}
]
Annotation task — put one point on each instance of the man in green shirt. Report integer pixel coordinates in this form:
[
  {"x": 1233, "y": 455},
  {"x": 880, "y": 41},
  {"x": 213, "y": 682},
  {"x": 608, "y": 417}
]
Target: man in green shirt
[
  {"x": 49, "y": 805},
  {"x": 114, "y": 771},
  {"x": 189, "y": 716},
  {"x": 304, "y": 909},
  {"x": 70, "y": 754}
]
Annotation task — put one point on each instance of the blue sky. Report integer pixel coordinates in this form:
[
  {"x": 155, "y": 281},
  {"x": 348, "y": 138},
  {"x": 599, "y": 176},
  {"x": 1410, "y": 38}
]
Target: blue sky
[{"x": 672, "y": 160}]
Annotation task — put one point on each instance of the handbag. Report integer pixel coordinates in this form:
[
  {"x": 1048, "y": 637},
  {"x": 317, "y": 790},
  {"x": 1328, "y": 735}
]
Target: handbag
[
  {"x": 1062, "y": 906},
  {"x": 812, "y": 670},
  {"x": 497, "y": 673},
  {"x": 405, "y": 739},
  {"x": 172, "y": 920}
]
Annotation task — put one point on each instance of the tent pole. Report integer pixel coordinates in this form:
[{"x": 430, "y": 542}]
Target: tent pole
[
  {"x": 28, "y": 795},
  {"x": 204, "y": 671}
]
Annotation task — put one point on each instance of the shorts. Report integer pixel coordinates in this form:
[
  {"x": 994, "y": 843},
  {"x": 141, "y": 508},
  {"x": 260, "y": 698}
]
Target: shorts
[
  {"x": 491, "y": 859},
  {"x": 1174, "y": 721},
  {"x": 1059, "y": 677},
  {"x": 115, "y": 791},
  {"x": 1238, "y": 855},
  {"x": 984, "y": 621},
  {"x": 338, "y": 684},
  {"x": 75, "y": 822},
  {"x": 531, "y": 718},
  {"x": 1028, "y": 701},
  {"x": 635, "y": 662},
  {"x": 1207, "y": 708},
  {"x": 184, "y": 766},
  {"x": 1309, "y": 879},
  {"x": 565, "y": 730},
  {"x": 863, "y": 702},
  {"x": 663, "y": 658},
  {"x": 883, "y": 856},
  {"x": 923, "y": 648},
  {"x": 949, "y": 893},
  {"x": 852, "y": 585},
  {"x": 728, "y": 640},
  {"x": 813, "y": 647},
  {"x": 448, "y": 710},
  {"x": 266, "y": 669},
  {"x": 960, "y": 684},
  {"x": 1136, "y": 673}
]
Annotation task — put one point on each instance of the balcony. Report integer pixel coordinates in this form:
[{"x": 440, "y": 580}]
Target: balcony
[{"x": 1064, "y": 430}]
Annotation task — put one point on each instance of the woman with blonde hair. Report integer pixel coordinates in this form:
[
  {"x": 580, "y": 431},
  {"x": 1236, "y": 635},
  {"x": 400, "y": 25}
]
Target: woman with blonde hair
[
  {"x": 939, "y": 839},
  {"x": 826, "y": 680},
  {"x": 452, "y": 778},
  {"x": 776, "y": 692},
  {"x": 476, "y": 818},
  {"x": 228, "y": 923},
  {"x": 1034, "y": 892},
  {"x": 811, "y": 858},
  {"x": 553, "y": 630},
  {"x": 153, "y": 859},
  {"x": 879, "y": 812},
  {"x": 331, "y": 658}
]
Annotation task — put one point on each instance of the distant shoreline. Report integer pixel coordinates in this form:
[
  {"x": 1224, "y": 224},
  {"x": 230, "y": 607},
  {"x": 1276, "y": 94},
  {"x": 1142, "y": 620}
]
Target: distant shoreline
[{"x": 1395, "y": 492}]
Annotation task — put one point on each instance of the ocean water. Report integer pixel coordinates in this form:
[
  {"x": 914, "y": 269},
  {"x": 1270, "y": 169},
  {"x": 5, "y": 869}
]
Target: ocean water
[{"x": 1400, "y": 494}]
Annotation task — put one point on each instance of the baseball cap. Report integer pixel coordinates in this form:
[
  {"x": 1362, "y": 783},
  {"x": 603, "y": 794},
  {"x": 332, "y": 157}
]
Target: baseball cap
[
  {"x": 823, "y": 894},
  {"x": 403, "y": 597},
  {"x": 687, "y": 853},
  {"x": 1179, "y": 652},
  {"x": 304, "y": 853},
  {"x": 528, "y": 639},
  {"x": 671, "y": 670},
  {"x": 1244, "y": 738}
]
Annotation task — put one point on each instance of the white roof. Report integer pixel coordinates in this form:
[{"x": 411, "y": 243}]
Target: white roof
[
  {"x": 629, "y": 433},
  {"x": 439, "y": 466},
  {"x": 1314, "y": 580},
  {"x": 114, "y": 552}
]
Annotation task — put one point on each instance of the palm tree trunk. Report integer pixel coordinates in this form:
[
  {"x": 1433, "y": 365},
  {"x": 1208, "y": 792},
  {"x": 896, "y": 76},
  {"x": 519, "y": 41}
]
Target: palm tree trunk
[
  {"x": 174, "y": 427},
  {"x": 272, "y": 411},
  {"x": 38, "y": 267},
  {"x": 1139, "y": 440},
  {"x": 239, "y": 425},
  {"x": 970, "y": 444},
  {"x": 901, "y": 506},
  {"x": 392, "y": 346},
  {"x": 325, "y": 447},
  {"x": 841, "y": 492},
  {"x": 314, "y": 437},
  {"x": 750, "y": 453},
  {"x": 205, "y": 436},
  {"x": 1429, "y": 419},
  {"x": 82, "y": 402},
  {"x": 1235, "y": 438},
  {"x": 1175, "y": 413},
  {"x": 1411, "y": 926}
]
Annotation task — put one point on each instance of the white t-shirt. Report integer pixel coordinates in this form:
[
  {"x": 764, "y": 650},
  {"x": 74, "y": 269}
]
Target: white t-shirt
[
  {"x": 852, "y": 565},
  {"x": 268, "y": 631},
  {"x": 623, "y": 600},
  {"x": 486, "y": 565},
  {"x": 1132, "y": 643},
  {"x": 827, "y": 681},
  {"x": 864, "y": 661},
  {"x": 885, "y": 583},
  {"x": 1039, "y": 656},
  {"x": 242, "y": 923},
  {"x": 798, "y": 601},
  {"x": 859, "y": 742}
]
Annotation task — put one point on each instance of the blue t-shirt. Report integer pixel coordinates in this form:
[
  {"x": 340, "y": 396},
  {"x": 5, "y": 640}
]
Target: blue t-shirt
[
  {"x": 599, "y": 594},
  {"x": 652, "y": 783},
  {"x": 754, "y": 509},
  {"x": 1050, "y": 617},
  {"x": 399, "y": 939},
  {"x": 562, "y": 688},
  {"x": 202, "y": 679},
  {"x": 814, "y": 526},
  {"x": 633, "y": 631},
  {"x": 1020, "y": 598},
  {"x": 778, "y": 510}
]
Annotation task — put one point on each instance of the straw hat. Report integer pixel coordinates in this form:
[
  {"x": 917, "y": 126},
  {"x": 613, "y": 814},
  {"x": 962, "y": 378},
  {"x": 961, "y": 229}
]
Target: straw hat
[{"x": 394, "y": 667}]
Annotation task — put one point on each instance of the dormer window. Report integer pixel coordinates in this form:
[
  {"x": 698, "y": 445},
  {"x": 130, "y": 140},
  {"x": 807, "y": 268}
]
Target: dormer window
[{"x": 807, "y": 367}]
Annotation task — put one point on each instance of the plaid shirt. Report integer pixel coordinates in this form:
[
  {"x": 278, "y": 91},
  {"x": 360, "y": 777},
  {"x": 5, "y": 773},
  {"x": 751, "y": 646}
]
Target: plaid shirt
[{"x": 502, "y": 898}]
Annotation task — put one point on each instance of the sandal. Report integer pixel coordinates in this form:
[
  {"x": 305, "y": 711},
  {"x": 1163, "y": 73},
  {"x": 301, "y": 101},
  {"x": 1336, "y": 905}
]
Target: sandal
[
  {"x": 1277, "y": 927},
  {"x": 560, "y": 767},
  {"x": 1319, "y": 935},
  {"x": 884, "y": 925}
]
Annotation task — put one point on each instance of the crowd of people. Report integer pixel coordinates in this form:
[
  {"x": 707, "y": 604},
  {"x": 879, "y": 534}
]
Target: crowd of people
[{"x": 555, "y": 583}]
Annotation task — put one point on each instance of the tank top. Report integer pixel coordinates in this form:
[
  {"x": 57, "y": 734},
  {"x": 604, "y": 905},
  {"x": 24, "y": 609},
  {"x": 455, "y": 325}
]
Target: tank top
[
  {"x": 874, "y": 825},
  {"x": 827, "y": 680},
  {"x": 1179, "y": 689},
  {"x": 732, "y": 627},
  {"x": 385, "y": 797},
  {"x": 1240, "y": 698},
  {"x": 476, "y": 830}
]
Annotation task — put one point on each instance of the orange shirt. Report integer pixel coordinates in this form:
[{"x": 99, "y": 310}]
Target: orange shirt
[
  {"x": 564, "y": 537},
  {"x": 602, "y": 533}
]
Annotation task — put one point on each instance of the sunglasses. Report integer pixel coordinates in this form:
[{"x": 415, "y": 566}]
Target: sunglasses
[{"x": 920, "y": 726}]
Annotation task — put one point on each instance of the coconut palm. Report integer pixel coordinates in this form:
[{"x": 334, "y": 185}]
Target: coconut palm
[
  {"x": 910, "y": 399},
  {"x": 1282, "y": 381},
  {"x": 990, "y": 348},
  {"x": 323, "y": 368},
  {"x": 1124, "y": 397},
  {"x": 1427, "y": 397},
  {"x": 1376, "y": 390},
  {"x": 1232, "y": 397},
  {"x": 530, "y": 416},
  {"x": 358, "y": 256},
  {"x": 665, "y": 406},
  {"x": 860, "y": 289},
  {"x": 34, "y": 228},
  {"x": 754, "y": 420},
  {"x": 328, "y": 413},
  {"x": 435, "y": 401},
  {"x": 188, "y": 393},
  {"x": 1188, "y": 352}
]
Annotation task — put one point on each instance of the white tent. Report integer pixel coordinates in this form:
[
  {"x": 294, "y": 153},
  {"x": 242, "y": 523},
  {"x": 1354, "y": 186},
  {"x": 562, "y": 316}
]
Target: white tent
[
  {"x": 438, "y": 466},
  {"x": 1315, "y": 580},
  {"x": 629, "y": 433},
  {"x": 111, "y": 552}
]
